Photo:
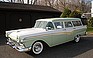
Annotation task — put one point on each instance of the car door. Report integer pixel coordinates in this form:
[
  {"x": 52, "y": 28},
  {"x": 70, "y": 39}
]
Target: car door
[
  {"x": 69, "y": 30},
  {"x": 56, "y": 33}
]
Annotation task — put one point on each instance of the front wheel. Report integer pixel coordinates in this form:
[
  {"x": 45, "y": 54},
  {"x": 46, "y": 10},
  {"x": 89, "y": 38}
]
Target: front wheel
[
  {"x": 77, "y": 38},
  {"x": 37, "y": 48}
]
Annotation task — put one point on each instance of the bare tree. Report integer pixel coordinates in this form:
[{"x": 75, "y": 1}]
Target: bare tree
[
  {"x": 20, "y": 1},
  {"x": 63, "y": 3},
  {"x": 49, "y": 3},
  {"x": 32, "y": 2},
  {"x": 58, "y": 4},
  {"x": 28, "y": 1}
]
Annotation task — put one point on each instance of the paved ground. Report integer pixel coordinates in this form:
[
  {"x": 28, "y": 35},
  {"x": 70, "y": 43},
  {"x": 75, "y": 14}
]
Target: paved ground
[{"x": 83, "y": 49}]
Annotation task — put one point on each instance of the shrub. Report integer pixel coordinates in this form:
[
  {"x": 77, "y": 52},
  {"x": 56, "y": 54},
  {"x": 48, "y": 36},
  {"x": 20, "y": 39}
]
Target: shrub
[
  {"x": 90, "y": 22},
  {"x": 65, "y": 13},
  {"x": 75, "y": 14}
]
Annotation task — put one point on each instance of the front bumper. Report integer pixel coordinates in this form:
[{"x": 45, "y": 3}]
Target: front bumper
[{"x": 17, "y": 46}]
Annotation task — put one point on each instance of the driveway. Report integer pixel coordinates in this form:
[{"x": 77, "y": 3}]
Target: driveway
[{"x": 83, "y": 49}]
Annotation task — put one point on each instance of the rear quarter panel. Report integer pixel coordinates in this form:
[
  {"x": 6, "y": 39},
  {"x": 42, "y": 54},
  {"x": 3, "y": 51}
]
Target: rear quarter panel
[{"x": 80, "y": 30}]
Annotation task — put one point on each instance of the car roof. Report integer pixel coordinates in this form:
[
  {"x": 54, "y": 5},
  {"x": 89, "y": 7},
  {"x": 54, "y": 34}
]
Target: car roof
[{"x": 58, "y": 19}]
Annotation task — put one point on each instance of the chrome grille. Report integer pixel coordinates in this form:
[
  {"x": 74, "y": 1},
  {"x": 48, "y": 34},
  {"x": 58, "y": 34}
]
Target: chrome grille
[{"x": 15, "y": 42}]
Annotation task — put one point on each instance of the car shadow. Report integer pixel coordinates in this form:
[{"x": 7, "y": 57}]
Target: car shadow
[{"x": 69, "y": 49}]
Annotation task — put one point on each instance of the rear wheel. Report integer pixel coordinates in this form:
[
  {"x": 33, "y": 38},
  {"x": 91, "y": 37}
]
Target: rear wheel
[
  {"x": 77, "y": 38},
  {"x": 37, "y": 47}
]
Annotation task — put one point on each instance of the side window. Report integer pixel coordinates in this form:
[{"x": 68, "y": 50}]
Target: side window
[
  {"x": 50, "y": 26},
  {"x": 79, "y": 23},
  {"x": 58, "y": 25},
  {"x": 68, "y": 24},
  {"x": 76, "y": 23}
]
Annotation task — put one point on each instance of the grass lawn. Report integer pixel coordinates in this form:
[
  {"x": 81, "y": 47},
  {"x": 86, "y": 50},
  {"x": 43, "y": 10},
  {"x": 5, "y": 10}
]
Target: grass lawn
[{"x": 90, "y": 29}]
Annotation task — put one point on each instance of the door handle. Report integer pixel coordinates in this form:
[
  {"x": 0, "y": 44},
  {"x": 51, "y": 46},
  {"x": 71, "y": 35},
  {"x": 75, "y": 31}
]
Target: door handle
[
  {"x": 74, "y": 28},
  {"x": 64, "y": 29}
]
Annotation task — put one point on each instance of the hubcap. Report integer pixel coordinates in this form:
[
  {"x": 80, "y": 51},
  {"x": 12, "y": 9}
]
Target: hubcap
[
  {"x": 37, "y": 47},
  {"x": 77, "y": 38}
]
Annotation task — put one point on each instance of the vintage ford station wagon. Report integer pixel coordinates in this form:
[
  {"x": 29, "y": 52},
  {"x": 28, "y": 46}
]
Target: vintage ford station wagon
[{"x": 50, "y": 32}]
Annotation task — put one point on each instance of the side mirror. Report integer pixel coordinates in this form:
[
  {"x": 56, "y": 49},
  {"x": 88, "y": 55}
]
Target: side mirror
[
  {"x": 59, "y": 27},
  {"x": 48, "y": 28}
]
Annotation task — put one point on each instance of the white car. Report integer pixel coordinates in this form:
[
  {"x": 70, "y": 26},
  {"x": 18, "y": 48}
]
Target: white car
[{"x": 51, "y": 32}]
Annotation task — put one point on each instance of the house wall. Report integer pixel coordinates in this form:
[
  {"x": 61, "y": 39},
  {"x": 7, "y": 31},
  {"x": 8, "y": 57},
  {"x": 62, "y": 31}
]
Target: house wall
[
  {"x": 15, "y": 19},
  {"x": 2, "y": 23}
]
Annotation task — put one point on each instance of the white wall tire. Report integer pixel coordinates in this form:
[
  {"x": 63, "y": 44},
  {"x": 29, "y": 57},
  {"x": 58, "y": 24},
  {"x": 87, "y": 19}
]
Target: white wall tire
[
  {"x": 37, "y": 48},
  {"x": 77, "y": 39}
]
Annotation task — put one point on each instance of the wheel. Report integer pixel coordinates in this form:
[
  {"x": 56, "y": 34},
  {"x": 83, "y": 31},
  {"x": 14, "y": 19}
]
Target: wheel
[
  {"x": 37, "y": 47},
  {"x": 77, "y": 38}
]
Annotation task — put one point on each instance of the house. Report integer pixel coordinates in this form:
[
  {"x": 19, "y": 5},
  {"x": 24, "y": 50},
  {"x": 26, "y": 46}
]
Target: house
[{"x": 16, "y": 16}]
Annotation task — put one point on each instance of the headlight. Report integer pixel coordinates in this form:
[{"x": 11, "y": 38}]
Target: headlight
[
  {"x": 7, "y": 33},
  {"x": 22, "y": 40}
]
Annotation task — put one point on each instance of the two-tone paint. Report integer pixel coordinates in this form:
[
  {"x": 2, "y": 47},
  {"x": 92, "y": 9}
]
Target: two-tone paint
[{"x": 26, "y": 37}]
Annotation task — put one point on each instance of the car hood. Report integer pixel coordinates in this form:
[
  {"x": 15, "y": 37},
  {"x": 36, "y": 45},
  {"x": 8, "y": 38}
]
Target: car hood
[{"x": 25, "y": 32}]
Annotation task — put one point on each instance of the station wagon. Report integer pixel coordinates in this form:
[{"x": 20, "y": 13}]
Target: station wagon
[{"x": 50, "y": 32}]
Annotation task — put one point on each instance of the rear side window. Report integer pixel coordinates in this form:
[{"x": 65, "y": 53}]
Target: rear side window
[
  {"x": 77, "y": 23},
  {"x": 68, "y": 24}
]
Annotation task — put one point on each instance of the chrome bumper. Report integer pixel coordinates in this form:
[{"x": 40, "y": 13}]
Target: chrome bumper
[{"x": 19, "y": 48}]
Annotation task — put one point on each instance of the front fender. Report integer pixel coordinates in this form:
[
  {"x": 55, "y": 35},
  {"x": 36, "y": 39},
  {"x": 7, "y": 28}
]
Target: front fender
[{"x": 29, "y": 42}]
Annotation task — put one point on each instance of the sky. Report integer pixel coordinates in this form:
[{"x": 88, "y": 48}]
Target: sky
[{"x": 86, "y": 0}]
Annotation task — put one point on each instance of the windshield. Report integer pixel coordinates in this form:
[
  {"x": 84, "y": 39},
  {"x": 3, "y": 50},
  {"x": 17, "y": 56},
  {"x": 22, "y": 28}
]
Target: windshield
[{"x": 40, "y": 24}]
